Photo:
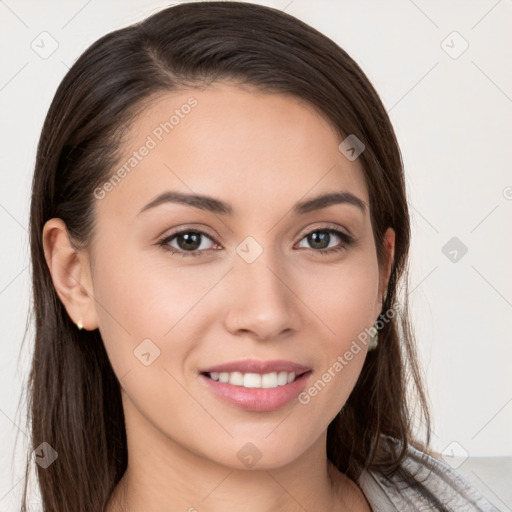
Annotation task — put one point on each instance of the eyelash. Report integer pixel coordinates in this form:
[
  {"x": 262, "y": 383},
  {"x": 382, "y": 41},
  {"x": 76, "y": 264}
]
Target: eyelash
[{"x": 347, "y": 241}]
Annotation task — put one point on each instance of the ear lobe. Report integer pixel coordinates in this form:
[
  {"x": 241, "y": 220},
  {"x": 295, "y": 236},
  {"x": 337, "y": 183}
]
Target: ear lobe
[{"x": 70, "y": 271}]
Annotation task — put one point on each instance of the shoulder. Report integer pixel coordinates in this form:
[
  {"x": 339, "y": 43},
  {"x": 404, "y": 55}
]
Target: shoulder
[{"x": 431, "y": 476}]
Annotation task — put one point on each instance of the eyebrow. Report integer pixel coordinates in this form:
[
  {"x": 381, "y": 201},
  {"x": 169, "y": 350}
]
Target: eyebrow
[{"x": 210, "y": 204}]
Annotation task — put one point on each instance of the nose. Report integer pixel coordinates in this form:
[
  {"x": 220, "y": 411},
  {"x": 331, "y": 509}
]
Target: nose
[{"x": 262, "y": 301}]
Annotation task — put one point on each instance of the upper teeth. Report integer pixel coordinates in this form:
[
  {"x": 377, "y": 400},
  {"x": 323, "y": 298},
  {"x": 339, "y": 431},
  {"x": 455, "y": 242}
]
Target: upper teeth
[{"x": 254, "y": 380}]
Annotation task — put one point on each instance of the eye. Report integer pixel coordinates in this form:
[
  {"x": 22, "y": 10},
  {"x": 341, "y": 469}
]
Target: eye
[
  {"x": 189, "y": 243},
  {"x": 320, "y": 240}
]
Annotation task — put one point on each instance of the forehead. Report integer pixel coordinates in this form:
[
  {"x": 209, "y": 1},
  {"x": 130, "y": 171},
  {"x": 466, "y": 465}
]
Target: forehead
[{"x": 243, "y": 145}]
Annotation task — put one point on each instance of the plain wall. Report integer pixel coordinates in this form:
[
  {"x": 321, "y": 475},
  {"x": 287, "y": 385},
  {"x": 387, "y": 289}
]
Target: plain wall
[{"x": 452, "y": 115}]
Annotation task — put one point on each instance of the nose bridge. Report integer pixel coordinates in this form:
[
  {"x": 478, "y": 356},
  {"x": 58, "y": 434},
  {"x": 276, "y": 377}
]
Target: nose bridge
[{"x": 261, "y": 302}]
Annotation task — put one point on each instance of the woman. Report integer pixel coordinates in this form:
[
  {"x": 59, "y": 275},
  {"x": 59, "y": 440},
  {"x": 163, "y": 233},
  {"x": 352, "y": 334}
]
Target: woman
[{"x": 218, "y": 229}]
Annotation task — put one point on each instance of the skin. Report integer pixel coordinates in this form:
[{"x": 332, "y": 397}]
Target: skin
[{"x": 261, "y": 153}]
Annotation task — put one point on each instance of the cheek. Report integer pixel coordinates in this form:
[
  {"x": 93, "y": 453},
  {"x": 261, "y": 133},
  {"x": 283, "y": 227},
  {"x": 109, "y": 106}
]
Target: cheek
[
  {"x": 148, "y": 298},
  {"x": 333, "y": 380},
  {"x": 342, "y": 297},
  {"x": 147, "y": 325}
]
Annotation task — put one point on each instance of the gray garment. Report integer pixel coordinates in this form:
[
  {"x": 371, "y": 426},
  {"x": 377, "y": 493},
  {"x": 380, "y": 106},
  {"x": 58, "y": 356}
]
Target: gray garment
[{"x": 446, "y": 484}]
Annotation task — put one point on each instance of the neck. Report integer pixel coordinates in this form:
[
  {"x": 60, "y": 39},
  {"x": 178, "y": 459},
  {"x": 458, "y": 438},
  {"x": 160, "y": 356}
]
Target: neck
[{"x": 161, "y": 474}]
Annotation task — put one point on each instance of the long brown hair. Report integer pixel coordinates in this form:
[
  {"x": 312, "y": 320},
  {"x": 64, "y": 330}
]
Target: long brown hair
[{"x": 74, "y": 399}]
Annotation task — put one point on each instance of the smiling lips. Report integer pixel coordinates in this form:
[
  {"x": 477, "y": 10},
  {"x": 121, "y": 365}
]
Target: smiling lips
[
  {"x": 256, "y": 385},
  {"x": 256, "y": 374}
]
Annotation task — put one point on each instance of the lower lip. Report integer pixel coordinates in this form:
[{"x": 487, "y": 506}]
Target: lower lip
[{"x": 257, "y": 399}]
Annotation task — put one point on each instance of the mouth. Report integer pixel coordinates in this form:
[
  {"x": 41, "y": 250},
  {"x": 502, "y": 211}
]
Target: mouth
[{"x": 256, "y": 385}]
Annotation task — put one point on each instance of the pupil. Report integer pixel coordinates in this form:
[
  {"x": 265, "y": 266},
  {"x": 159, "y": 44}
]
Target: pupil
[
  {"x": 192, "y": 241},
  {"x": 318, "y": 239}
]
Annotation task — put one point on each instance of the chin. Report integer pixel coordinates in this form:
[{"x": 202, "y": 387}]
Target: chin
[{"x": 259, "y": 453}]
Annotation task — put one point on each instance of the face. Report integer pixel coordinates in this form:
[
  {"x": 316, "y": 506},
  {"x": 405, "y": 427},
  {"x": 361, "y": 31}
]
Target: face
[{"x": 253, "y": 284}]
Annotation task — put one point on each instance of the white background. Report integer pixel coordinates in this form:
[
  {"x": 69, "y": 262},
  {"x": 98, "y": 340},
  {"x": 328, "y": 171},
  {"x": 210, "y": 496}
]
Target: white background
[{"x": 453, "y": 119}]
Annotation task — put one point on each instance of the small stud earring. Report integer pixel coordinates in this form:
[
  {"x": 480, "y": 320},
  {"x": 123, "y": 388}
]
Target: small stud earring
[{"x": 80, "y": 325}]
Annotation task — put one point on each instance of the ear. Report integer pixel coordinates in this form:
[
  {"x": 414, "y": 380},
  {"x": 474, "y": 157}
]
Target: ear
[
  {"x": 386, "y": 266},
  {"x": 71, "y": 274}
]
